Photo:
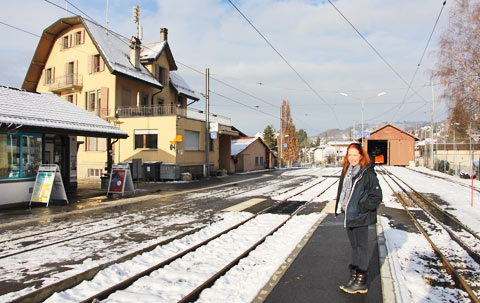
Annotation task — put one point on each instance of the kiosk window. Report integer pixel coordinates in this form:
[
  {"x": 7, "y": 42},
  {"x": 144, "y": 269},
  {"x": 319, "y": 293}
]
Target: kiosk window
[
  {"x": 20, "y": 155},
  {"x": 190, "y": 139}
]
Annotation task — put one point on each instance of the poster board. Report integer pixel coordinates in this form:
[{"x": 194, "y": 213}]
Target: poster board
[
  {"x": 48, "y": 185},
  {"x": 120, "y": 180}
]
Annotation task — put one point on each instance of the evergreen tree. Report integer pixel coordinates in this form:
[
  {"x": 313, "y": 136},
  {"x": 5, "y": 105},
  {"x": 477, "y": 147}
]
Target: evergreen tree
[
  {"x": 269, "y": 137},
  {"x": 302, "y": 138},
  {"x": 290, "y": 153}
]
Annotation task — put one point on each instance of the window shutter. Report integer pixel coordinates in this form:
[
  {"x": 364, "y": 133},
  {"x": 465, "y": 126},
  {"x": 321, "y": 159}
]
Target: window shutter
[
  {"x": 86, "y": 100},
  {"x": 53, "y": 75},
  {"x": 102, "y": 64},
  {"x": 75, "y": 72},
  {"x": 90, "y": 65},
  {"x": 74, "y": 99},
  {"x": 82, "y": 39},
  {"x": 45, "y": 81},
  {"x": 104, "y": 103}
]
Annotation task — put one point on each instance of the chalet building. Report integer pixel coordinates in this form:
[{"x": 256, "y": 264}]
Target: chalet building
[
  {"x": 132, "y": 85},
  {"x": 250, "y": 153}
]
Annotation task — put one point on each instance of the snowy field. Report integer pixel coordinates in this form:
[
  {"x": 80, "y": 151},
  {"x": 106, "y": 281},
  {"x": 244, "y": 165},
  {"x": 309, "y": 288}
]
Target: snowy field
[{"x": 417, "y": 278}]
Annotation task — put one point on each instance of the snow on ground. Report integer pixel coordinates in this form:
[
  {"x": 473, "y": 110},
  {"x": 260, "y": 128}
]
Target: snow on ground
[
  {"x": 241, "y": 283},
  {"x": 458, "y": 198},
  {"x": 118, "y": 272}
]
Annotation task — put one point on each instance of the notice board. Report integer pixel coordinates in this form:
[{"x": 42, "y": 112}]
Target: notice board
[
  {"x": 120, "y": 179},
  {"x": 48, "y": 185}
]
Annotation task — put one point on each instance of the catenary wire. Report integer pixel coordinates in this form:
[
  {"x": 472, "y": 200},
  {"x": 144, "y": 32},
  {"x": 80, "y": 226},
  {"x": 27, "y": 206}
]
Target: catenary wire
[
  {"x": 421, "y": 58},
  {"x": 285, "y": 60},
  {"x": 374, "y": 49}
]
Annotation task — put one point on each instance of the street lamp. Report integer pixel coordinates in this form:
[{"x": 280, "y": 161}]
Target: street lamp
[{"x": 363, "y": 101}]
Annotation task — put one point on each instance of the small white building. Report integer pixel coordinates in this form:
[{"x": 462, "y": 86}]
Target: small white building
[
  {"x": 40, "y": 128},
  {"x": 333, "y": 152}
]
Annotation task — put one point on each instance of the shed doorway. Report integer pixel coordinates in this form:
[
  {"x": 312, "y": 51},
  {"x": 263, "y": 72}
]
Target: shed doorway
[{"x": 378, "y": 149}]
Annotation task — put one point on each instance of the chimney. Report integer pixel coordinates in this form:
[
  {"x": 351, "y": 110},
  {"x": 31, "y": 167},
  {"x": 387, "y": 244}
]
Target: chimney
[
  {"x": 135, "y": 52},
  {"x": 163, "y": 34}
]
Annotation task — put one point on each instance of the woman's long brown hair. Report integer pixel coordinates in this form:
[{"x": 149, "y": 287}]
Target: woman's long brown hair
[{"x": 364, "y": 161}]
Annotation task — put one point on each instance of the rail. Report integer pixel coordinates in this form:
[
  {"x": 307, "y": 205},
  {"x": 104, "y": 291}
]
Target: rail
[
  {"x": 169, "y": 110},
  {"x": 65, "y": 82}
]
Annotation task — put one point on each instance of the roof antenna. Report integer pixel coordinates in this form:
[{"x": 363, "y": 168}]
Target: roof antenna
[
  {"x": 106, "y": 18},
  {"x": 136, "y": 19}
]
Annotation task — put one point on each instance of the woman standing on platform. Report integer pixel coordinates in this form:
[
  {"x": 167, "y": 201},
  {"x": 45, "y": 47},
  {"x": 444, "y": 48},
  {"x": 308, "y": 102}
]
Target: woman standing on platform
[{"x": 359, "y": 194}]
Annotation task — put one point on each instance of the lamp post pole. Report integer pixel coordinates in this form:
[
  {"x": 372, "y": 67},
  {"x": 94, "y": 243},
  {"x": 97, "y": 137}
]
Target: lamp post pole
[{"x": 362, "y": 100}]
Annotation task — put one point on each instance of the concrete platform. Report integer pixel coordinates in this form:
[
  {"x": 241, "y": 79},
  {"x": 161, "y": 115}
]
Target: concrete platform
[{"x": 322, "y": 266}]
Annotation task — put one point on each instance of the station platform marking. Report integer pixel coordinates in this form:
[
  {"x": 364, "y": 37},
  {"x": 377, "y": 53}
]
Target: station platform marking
[{"x": 244, "y": 205}]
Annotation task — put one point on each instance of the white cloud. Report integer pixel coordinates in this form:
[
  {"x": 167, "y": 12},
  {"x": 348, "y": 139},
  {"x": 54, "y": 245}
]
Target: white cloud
[{"x": 312, "y": 36}]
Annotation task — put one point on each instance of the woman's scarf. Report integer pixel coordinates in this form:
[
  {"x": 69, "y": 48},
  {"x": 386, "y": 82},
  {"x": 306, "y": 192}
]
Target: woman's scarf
[{"x": 347, "y": 184}]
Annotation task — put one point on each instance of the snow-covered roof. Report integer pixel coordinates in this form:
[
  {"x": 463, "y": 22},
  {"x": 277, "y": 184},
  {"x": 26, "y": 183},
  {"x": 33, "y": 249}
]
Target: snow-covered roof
[
  {"x": 239, "y": 145},
  {"x": 43, "y": 110},
  {"x": 116, "y": 52},
  {"x": 182, "y": 87},
  {"x": 152, "y": 51}
]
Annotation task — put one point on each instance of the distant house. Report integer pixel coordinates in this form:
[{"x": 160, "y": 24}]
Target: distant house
[
  {"x": 250, "y": 153},
  {"x": 333, "y": 151}
]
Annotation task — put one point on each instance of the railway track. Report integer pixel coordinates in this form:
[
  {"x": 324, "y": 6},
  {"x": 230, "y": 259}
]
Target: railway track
[
  {"x": 434, "y": 223},
  {"x": 269, "y": 229},
  {"x": 444, "y": 178},
  {"x": 39, "y": 240}
]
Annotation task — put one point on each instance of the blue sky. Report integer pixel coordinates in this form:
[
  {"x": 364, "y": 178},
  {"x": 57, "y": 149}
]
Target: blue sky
[{"x": 311, "y": 35}]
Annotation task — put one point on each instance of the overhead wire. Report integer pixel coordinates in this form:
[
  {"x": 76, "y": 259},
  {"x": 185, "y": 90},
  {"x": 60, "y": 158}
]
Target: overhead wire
[
  {"x": 421, "y": 58},
  {"x": 121, "y": 36},
  {"x": 286, "y": 61},
  {"x": 374, "y": 49}
]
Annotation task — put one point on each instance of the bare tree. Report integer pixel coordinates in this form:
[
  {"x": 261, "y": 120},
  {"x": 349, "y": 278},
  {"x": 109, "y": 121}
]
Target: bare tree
[{"x": 458, "y": 65}]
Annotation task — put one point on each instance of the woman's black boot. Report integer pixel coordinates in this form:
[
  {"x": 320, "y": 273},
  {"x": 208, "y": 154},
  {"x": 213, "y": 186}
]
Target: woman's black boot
[
  {"x": 359, "y": 285},
  {"x": 353, "y": 276}
]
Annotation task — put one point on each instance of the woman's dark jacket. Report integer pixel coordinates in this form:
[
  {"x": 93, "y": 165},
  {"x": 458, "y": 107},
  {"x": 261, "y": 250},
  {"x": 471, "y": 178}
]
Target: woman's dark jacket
[{"x": 366, "y": 196}]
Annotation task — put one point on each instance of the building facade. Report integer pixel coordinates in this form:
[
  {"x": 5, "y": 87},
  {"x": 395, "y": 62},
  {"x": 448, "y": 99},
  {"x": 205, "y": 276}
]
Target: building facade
[{"x": 135, "y": 87}]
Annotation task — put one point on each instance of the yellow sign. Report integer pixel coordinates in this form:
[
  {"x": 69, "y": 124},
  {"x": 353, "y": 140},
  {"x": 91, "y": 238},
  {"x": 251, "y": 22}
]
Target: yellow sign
[
  {"x": 178, "y": 138},
  {"x": 43, "y": 187}
]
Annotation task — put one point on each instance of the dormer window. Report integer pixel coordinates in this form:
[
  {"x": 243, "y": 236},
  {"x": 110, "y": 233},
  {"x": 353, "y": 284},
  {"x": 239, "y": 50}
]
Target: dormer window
[
  {"x": 78, "y": 38},
  {"x": 162, "y": 75}
]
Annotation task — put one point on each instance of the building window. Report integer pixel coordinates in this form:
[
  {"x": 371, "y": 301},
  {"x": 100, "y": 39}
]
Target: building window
[
  {"x": 69, "y": 98},
  {"x": 94, "y": 98},
  {"x": 94, "y": 172},
  {"x": 78, "y": 38},
  {"x": 143, "y": 99},
  {"x": 126, "y": 96},
  {"x": 162, "y": 75},
  {"x": 20, "y": 155},
  {"x": 190, "y": 140},
  {"x": 261, "y": 161},
  {"x": 49, "y": 75},
  {"x": 96, "y": 144},
  {"x": 146, "y": 139},
  {"x": 65, "y": 42},
  {"x": 256, "y": 161}
]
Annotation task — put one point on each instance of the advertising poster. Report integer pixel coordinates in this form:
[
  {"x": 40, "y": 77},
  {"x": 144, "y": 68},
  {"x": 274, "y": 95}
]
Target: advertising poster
[
  {"x": 117, "y": 181},
  {"x": 43, "y": 187}
]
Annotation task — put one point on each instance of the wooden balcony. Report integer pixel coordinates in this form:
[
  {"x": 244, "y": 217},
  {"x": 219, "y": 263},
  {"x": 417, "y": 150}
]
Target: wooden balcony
[{"x": 66, "y": 82}]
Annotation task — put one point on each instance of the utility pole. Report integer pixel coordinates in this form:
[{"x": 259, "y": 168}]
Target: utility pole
[
  {"x": 281, "y": 137},
  {"x": 431, "y": 128},
  {"x": 207, "y": 124}
]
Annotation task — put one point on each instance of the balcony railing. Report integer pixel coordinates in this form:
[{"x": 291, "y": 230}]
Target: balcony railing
[
  {"x": 69, "y": 81},
  {"x": 169, "y": 110}
]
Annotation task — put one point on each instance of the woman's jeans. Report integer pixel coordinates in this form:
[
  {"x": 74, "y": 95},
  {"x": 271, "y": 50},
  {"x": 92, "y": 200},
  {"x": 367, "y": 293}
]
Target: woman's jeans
[{"x": 358, "y": 237}]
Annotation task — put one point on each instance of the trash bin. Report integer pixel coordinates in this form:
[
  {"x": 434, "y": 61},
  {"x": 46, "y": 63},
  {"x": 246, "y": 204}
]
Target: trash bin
[
  {"x": 104, "y": 181},
  {"x": 169, "y": 171},
  {"x": 151, "y": 171}
]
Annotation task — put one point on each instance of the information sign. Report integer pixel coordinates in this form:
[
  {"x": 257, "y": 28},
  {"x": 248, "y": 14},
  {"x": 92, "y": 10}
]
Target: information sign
[
  {"x": 120, "y": 179},
  {"x": 357, "y": 136},
  {"x": 367, "y": 135},
  {"x": 213, "y": 135},
  {"x": 48, "y": 185}
]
